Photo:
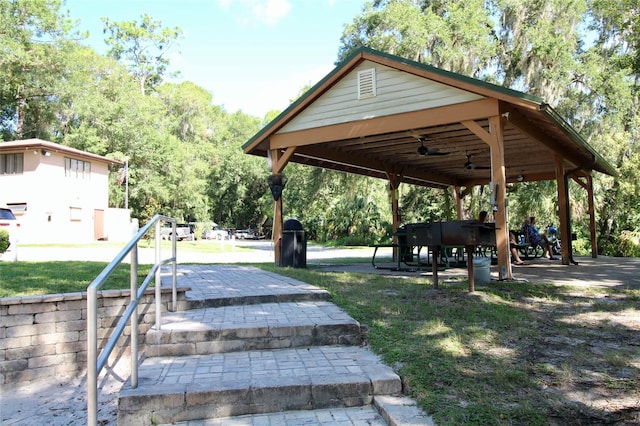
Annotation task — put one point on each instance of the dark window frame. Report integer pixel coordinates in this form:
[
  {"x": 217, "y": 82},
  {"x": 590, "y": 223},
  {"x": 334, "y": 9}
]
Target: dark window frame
[{"x": 12, "y": 163}]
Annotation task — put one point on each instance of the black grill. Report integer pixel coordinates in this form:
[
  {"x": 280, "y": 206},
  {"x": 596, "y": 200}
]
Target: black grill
[
  {"x": 451, "y": 233},
  {"x": 424, "y": 234}
]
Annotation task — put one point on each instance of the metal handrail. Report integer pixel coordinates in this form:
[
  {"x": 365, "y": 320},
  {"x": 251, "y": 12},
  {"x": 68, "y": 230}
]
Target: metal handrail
[{"x": 95, "y": 361}]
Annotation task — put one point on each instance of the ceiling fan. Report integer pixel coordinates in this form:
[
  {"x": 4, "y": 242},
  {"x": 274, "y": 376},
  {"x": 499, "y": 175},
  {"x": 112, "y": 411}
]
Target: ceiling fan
[
  {"x": 469, "y": 165},
  {"x": 423, "y": 150}
]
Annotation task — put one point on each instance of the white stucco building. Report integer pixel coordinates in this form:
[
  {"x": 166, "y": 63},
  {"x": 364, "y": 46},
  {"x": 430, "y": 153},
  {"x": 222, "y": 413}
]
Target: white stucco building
[{"x": 59, "y": 194}]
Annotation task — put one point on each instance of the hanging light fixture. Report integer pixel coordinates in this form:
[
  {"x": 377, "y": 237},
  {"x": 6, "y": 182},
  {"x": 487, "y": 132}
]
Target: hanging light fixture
[{"x": 276, "y": 183}]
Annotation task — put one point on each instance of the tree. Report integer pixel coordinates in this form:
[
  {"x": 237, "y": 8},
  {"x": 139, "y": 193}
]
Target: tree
[
  {"x": 142, "y": 46},
  {"x": 610, "y": 86},
  {"x": 185, "y": 153},
  {"x": 35, "y": 41},
  {"x": 539, "y": 41},
  {"x": 237, "y": 184},
  {"x": 448, "y": 34}
]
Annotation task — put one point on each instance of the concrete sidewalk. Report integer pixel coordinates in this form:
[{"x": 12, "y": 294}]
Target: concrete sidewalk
[{"x": 603, "y": 271}]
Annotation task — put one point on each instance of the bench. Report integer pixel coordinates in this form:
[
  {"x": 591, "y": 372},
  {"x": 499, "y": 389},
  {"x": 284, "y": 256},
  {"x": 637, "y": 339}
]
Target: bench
[
  {"x": 408, "y": 256},
  {"x": 523, "y": 249}
]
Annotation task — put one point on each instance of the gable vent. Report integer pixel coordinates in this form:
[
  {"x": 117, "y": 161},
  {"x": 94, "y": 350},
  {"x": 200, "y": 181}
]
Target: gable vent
[{"x": 367, "y": 83}]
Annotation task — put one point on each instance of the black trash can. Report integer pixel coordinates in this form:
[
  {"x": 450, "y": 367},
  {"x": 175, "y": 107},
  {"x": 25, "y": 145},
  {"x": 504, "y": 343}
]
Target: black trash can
[{"x": 293, "y": 251}]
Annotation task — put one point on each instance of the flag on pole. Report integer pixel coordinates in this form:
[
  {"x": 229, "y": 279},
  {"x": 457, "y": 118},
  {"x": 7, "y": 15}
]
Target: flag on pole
[{"x": 124, "y": 174}]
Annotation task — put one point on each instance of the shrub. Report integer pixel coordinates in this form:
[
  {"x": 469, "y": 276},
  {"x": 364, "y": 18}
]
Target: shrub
[
  {"x": 4, "y": 240},
  {"x": 629, "y": 244}
]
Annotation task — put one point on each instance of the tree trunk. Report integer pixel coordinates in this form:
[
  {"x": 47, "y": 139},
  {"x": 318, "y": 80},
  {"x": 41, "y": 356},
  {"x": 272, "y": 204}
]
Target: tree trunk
[{"x": 20, "y": 111}]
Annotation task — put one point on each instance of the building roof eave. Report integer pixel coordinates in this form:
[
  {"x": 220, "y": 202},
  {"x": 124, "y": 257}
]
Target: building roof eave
[{"x": 28, "y": 144}]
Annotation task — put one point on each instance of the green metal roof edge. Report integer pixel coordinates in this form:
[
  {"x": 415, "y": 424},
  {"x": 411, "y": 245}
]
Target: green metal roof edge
[
  {"x": 301, "y": 98},
  {"x": 360, "y": 50},
  {"x": 576, "y": 137}
]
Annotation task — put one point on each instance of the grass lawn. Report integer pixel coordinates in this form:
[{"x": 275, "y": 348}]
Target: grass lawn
[
  {"x": 201, "y": 246},
  {"x": 38, "y": 278},
  {"x": 508, "y": 354}
]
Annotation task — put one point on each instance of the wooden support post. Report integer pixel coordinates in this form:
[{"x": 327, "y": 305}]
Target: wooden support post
[
  {"x": 394, "y": 183},
  {"x": 494, "y": 138},
  {"x": 277, "y": 161},
  {"x": 592, "y": 218},
  {"x": 499, "y": 179},
  {"x": 563, "y": 209}
]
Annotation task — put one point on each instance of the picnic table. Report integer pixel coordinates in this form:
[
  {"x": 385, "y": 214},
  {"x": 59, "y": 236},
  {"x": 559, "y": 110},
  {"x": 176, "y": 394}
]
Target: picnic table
[
  {"x": 410, "y": 256},
  {"x": 440, "y": 237}
]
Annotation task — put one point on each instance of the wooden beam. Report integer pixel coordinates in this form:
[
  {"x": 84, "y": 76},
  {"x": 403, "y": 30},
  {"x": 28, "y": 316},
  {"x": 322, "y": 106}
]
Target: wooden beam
[
  {"x": 335, "y": 156},
  {"x": 282, "y": 162},
  {"x": 479, "y": 131},
  {"x": 563, "y": 207},
  {"x": 526, "y": 127},
  {"x": 448, "y": 114},
  {"x": 495, "y": 139},
  {"x": 395, "y": 178}
]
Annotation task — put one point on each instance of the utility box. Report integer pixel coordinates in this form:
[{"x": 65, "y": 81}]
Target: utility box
[{"x": 293, "y": 251}]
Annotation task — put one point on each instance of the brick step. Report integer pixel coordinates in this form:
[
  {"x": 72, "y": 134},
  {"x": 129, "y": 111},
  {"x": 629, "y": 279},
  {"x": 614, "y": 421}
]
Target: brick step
[
  {"x": 385, "y": 411},
  {"x": 175, "y": 389},
  {"x": 252, "y": 327},
  {"x": 226, "y": 285},
  {"x": 294, "y": 295}
]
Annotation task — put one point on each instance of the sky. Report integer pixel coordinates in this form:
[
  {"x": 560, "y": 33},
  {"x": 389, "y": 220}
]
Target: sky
[{"x": 252, "y": 55}]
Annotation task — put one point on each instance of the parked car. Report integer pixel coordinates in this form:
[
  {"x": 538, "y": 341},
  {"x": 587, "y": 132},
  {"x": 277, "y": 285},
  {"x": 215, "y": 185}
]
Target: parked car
[
  {"x": 246, "y": 234},
  {"x": 8, "y": 220},
  {"x": 183, "y": 232},
  {"x": 9, "y": 223},
  {"x": 217, "y": 233}
]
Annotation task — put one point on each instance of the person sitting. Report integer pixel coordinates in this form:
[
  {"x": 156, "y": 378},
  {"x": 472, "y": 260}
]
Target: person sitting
[
  {"x": 533, "y": 237},
  {"x": 514, "y": 251},
  {"x": 482, "y": 218}
]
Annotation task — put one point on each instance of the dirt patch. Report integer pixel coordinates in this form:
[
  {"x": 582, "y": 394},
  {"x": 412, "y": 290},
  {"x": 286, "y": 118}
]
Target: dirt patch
[{"x": 584, "y": 354}]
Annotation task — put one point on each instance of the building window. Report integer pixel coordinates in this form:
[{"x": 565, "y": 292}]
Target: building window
[
  {"x": 77, "y": 169},
  {"x": 75, "y": 214},
  {"x": 18, "y": 209},
  {"x": 11, "y": 164}
]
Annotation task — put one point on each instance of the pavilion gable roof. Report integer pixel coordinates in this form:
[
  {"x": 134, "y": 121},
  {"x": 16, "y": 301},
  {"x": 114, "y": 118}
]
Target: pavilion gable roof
[{"x": 368, "y": 114}]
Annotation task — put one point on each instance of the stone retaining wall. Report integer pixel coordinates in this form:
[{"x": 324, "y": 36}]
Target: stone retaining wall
[{"x": 46, "y": 336}]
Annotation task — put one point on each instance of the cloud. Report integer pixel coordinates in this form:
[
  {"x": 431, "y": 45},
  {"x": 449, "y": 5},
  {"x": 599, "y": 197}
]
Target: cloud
[
  {"x": 267, "y": 12},
  {"x": 271, "y": 11}
]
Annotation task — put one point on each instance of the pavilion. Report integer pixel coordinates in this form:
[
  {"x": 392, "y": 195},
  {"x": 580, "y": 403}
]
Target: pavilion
[{"x": 388, "y": 117}]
